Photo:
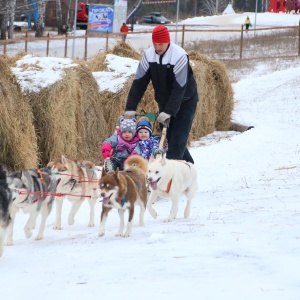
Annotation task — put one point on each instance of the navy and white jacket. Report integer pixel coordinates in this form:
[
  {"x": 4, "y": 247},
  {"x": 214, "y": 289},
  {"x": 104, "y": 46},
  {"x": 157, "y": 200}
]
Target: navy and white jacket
[{"x": 171, "y": 76}]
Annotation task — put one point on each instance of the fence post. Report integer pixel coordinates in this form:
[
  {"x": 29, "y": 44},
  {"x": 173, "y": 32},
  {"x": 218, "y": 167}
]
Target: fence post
[
  {"x": 85, "y": 46},
  {"x": 106, "y": 46},
  {"x": 66, "y": 44},
  {"x": 26, "y": 42},
  {"x": 241, "y": 43},
  {"x": 182, "y": 39},
  {"x": 299, "y": 40},
  {"x": 48, "y": 41}
]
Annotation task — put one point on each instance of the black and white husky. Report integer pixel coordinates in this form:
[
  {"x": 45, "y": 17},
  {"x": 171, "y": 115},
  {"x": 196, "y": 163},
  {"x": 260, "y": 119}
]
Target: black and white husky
[
  {"x": 33, "y": 192},
  {"x": 5, "y": 203}
]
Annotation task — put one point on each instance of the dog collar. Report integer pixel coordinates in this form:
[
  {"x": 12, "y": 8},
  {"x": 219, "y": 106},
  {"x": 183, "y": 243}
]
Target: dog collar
[{"x": 169, "y": 186}]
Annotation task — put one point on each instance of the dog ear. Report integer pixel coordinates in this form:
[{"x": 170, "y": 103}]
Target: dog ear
[{"x": 103, "y": 171}]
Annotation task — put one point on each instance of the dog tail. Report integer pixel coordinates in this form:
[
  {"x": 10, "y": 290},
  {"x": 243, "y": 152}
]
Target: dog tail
[{"x": 137, "y": 161}]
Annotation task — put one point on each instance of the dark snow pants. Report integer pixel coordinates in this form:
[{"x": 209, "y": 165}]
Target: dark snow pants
[{"x": 178, "y": 132}]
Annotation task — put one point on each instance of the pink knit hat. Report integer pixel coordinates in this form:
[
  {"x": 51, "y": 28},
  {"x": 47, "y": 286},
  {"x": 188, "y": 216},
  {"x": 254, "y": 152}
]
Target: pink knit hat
[{"x": 160, "y": 35}]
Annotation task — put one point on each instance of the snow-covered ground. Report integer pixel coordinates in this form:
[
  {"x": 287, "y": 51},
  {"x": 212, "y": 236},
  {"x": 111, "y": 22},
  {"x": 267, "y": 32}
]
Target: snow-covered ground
[{"x": 241, "y": 241}]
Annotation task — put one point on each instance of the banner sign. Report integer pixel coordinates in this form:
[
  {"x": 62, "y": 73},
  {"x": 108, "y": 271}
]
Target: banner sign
[{"x": 101, "y": 18}]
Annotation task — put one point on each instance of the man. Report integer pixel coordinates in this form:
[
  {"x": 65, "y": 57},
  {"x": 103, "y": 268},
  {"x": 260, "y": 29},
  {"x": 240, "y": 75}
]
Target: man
[
  {"x": 124, "y": 28},
  {"x": 175, "y": 90}
]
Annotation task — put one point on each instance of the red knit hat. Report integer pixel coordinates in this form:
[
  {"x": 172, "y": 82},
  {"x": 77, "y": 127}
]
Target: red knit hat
[{"x": 160, "y": 35}]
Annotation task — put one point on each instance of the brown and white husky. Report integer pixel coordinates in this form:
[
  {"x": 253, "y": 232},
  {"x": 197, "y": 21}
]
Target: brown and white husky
[{"x": 123, "y": 190}]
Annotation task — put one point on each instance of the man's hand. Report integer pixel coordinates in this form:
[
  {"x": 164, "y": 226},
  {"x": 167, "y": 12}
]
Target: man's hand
[
  {"x": 130, "y": 114},
  {"x": 164, "y": 118}
]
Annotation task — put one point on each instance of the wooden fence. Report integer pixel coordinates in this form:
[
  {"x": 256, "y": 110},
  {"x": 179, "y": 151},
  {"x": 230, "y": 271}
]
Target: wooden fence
[{"x": 240, "y": 37}]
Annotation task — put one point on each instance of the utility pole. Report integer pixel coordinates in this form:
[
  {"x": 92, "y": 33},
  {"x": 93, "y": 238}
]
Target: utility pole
[{"x": 74, "y": 31}]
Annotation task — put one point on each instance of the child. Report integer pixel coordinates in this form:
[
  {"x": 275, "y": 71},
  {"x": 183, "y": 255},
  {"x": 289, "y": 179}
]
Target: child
[
  {"x": 147, "y": 142},
  {"x": 248, "y": 23},
  {"x": 116, "y": 149}
]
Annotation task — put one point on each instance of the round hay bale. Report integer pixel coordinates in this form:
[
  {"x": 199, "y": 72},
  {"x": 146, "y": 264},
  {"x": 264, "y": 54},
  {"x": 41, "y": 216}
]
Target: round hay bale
[
  {"x": 17, "y": 134},
  {"x": 125, "y": 50},
  {"x": 205, "y": 116},
  {"x": 68, "y": 117},
  {"x": 223, "y": 90},
  {"x": 97, "y": 63},
  {"x": 11, "y": 60}
]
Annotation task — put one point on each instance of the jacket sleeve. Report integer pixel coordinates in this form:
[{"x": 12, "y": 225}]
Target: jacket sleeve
[
  {"x": 139, "y": 85},
  {"x": 108, "y": 145},
  {"x": 106, "y": 150},
  {"x": 180, "y": 81}
]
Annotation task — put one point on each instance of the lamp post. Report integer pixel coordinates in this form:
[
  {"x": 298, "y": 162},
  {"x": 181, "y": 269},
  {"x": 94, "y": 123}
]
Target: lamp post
[
  {"x": 255, "y": 18},
  {"x": 177, "y": 11},
  {"x": 75, "y": 24}
]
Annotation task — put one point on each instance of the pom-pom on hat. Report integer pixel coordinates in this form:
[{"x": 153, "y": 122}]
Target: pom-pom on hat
[
  {"x": 128, "y": 124},
  {"x": 144, "y": 124},
  {"x": 160, "y": 35}
]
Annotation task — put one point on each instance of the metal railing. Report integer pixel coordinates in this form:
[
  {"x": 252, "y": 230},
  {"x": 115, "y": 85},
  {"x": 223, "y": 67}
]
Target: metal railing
[{"x": 215, "y": 43}]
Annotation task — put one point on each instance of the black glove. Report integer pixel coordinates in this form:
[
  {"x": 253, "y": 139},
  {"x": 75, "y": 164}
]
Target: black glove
[
  {"x": 130, "y": 114},
  {"x": 164, "y": 118}
]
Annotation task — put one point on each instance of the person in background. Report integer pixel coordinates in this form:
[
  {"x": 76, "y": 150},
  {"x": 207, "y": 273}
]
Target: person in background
[
  {"x": 117, "y": 148},
  {"x": 175, "y": 90},
  {"x": 248, "y": 23},
  {"x": 147, "y": 142},
  {"x": 124, "y": 29}
]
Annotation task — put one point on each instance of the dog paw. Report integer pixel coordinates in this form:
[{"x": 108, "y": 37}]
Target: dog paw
[
  {"x": 186, "y": 214},
  {"x": 168, "y": 220},
  {"x": 71, "y": 222},
  {"x": 57, "y": 227},
  {"x": 28, "y": 234},
  {"x": 126, "y": 234},
  {"x": 101, "y": 234},
  {"x": 91, "y": 224},
  {"x": 38, "y": 238},
  {"x": 153, "y": 213},
  {"x": 8, "y": 243},
  {"x": 119, "y": 234}
]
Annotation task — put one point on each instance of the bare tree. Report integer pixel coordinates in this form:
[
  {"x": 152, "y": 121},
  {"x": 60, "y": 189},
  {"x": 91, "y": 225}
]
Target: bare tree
[
  {"x": 11, "y": 17},
  {"x": 3, "y": 18},
  {"x": 59, "y": 17},
  {"x": 40, "y": 23},
  {"x": 213, "y": 7}
]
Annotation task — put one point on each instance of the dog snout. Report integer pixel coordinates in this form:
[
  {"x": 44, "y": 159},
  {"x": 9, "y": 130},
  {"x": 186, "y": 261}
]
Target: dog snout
[
  {"x": 149, "y": 179},
  {"x": 102, "y": 194}
]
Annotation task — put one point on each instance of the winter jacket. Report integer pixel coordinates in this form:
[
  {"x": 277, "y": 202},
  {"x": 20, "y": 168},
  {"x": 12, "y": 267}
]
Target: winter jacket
[
  {"x": 146, "y": 147},
  {"x": 171, "y": 76},
  {"x": 124, "y": 28},
  {"x": 116, "y": 146}
]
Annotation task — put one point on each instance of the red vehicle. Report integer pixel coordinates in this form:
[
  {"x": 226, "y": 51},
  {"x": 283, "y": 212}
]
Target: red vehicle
[{"x": 82, "y": 15}]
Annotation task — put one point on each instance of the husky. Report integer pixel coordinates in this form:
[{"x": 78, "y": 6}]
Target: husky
[
  {"x": 77, "y": 180},
  {"x": 33, "y": 192},
  {"x": 123, "y": 190},
  {"x": 171, "y": 179},
  {"x": 5, "y": 204}
]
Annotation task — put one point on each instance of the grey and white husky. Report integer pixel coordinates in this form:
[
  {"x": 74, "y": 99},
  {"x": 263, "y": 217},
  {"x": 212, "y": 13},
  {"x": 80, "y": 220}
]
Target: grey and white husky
[{"x": 33, "y": 192}]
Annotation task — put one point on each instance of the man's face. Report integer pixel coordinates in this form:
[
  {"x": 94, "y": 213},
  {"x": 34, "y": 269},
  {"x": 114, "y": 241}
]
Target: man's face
[{"x": 160, "y": 48}]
